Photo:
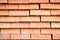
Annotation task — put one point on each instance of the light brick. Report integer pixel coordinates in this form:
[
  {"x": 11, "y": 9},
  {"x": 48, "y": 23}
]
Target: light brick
[
  {"x": 3, "y": 1},
  {"x": 55, "y": 12},
  {"x": 55, "y": 25},
  {"x": 50, "y": 6},
  {"x": 10, "y": 31},
  {"x": 9, "y": 19},
  {"x": 30, "y": 31},
  {"x": 50, "y": 18},
  {"x": 39, "y": 25},
  {"x": 17, "y": 1},
  {"x": 50, "y": 31},
  {"x": 29, "y": 6},
  {"x": 38, "y": 1},
  {"x": 40, "y": 12},
  {"x": 20, "y": 36},
  {"x": 4, "y": 36},
  {"x": 29, "y": 19},
  {"x": 8, "y": 6},
  {"x": 55, "y": 1},
  {"x": 40, "y": 36},
  {"x": 19, "y": 13}
]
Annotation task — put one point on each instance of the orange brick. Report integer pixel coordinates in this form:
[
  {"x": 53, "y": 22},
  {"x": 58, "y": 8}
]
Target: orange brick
[
  {"x": 39, "y": 25},
  {"x": 10, "y": 31},
  {"x": 20, "y": 36},
  {"x": 29, "y": 19},
  {"x": 55, "y": 1},
  {"x": 38, "y": 1},
  {"x": 3, "y": 1},
  {"x": 50, "y": 6},
  {"x": 50, "y": 31},
  {"x": 3, "y": 12},
  {"x": 29, "y": 6},
  {"x": 4, "y": 36},
  {"x": 8, "y": 6},
  {"x": 34, "y": 36},
  {"x": 40, "y": 12},
  {"x": 50, "y": 18},
  {"x": 30, "y": 31},
  {"x": 17, "y": 1},
  {"x": 55, "y": 25},
  {"x": 9, "y": 19},
  {"x": 19, "y": 13},
  {"x": 55, "y": 12}
]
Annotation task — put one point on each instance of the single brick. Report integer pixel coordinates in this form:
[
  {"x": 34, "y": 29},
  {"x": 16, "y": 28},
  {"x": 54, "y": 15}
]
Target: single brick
[
  {"x": 55, "y": 12},
  {"x": 3, "y": 13},
  {"x": 39, "y": 25},
  {"x": 39, "y": 36},
  {"x": 55, "y": 25},
  {"x": 20, "y": 36},
  {"x": 50, "y": 18},
  {"x": 19, "y": 13},
  {"x": 50, "y": 31},
  {"x": 30, "y": 31},
  {"x": 39, "y": 12},
  {"x": 3, "y": 1},
  {"x": 17, "y": 1},
  {"x": 9, "y": 19},
  {"x": 6, "y": 6},
  {"x": 4, "y": 36},
  {"x": 10, "y": 31},
  {"x": 38, "y": 1},
  {"x": 30, "y": 19},
  {"x": 55, "y": 1},
  {"x": 50, "y": 6},
  {"x": 29, "y": 6}
]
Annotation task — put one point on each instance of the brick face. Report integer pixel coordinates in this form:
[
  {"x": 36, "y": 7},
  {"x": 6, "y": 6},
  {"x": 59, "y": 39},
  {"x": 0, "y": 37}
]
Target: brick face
[
  {"x": 55, "y": 1},
  {"x": 3, "y": 1}
]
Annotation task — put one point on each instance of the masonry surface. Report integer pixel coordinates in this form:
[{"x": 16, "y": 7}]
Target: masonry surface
[{"x": 29, "y": 19}]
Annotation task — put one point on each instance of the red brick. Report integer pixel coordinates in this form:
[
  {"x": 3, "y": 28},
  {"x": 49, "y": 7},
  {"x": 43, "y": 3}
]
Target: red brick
[
  {"x": 39, "y": 36},
  {"x": 29, "y": 6},
  {"x": 55, "y": 1},
  {"x": 50, "y": 18},
  {"x": 40, "y": 12},
  {"x": 4, "y": 36},
  {"x": 10, "y": 31},
  {"x": 39, "y": 25},
  {"x": 30, "y": 31},
  {"x": 19, "y": 13},
  {"x": 38, "y": 1},
  {"x": 55, "y": 12},
  {"x": 11, "y": 19},
  {"x": 17, "y": 1},
  {"x": 29, "y": 19},
  {"x": 4, "y": 13},
  {"x": 20, "y": 36},
  {"x": 8, "y": 6},
  {"x": 3, "y": 1},
  {"x": 50, "y": 31},
  {"x": 50, "y": 6}
]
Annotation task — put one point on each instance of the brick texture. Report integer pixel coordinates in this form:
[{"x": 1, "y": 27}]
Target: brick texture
[{"x": 29, "y": 19}]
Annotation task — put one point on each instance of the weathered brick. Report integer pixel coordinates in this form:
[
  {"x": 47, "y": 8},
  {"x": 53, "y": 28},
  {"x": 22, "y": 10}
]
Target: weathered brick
[
  {"x": 50, "y": 6},
  {"x": 3, "y": 1},
  {"x": 55, "y": 1},
  {"x": 50, "y": 18},
  {"x": 10, "y": 31},
  {"x": 29, "y": 6},
  {"x": 39, "y": 36},
  {"x": 19, "y": 13},
  {"x": 3, "y": 13},
  {"x": 20, "y": 36},
  {"x": 30, "y": 31},
  {"x": 39, "y": 25},
  {"x": 17, "y": 1},
  {"x": 38, "y": 1},
  {"x": 39, "y": 12},
  {"x": 29, "y": 19}
]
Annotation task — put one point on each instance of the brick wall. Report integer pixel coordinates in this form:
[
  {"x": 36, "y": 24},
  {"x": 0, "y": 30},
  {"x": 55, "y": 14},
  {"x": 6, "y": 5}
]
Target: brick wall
[{"x": 30, "y": 19}]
